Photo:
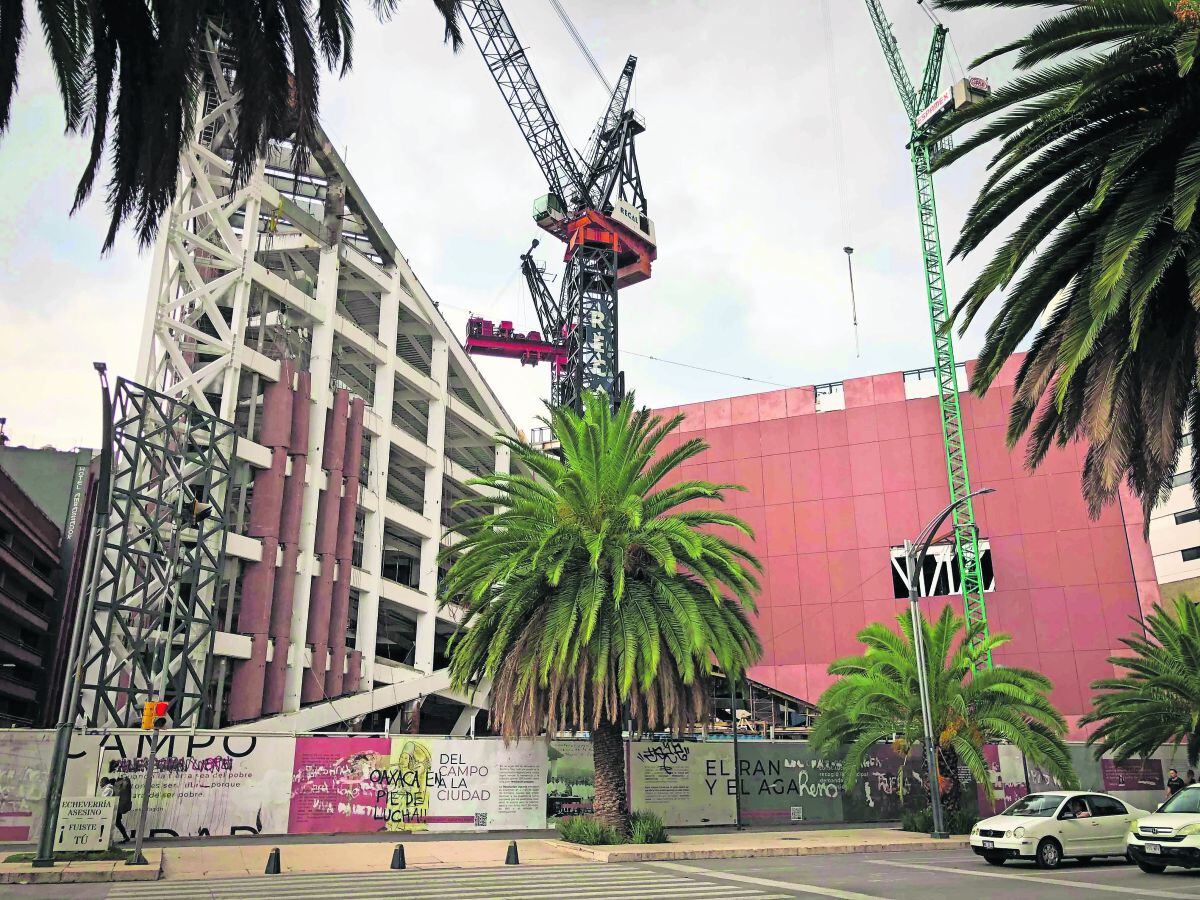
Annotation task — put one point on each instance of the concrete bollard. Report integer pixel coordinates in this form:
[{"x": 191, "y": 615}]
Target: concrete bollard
[
  {"x": 511, "y": 858},
  {"x": 272, "y": 863},
  {"x": 398, "y": 857}
]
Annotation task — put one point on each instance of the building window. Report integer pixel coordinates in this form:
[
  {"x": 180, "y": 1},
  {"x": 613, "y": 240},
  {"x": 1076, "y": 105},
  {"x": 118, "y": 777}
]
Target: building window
[
  {"x": 1181, "y": 478},
  {"x": 939, "y": 576},
  {"x": 1191, "y": 554},
  {"x": 1188, "y": 515}
]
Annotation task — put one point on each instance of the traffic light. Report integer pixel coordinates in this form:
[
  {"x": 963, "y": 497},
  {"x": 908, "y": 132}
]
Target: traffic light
[{"x": 154, "y": 715}]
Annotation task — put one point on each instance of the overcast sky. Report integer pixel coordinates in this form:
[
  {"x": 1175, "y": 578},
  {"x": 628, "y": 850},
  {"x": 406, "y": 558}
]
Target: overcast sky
[{"x": 739, "y": 160}]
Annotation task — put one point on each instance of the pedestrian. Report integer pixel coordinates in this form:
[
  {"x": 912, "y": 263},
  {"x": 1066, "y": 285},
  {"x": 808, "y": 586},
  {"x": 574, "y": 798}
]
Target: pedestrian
[
  {"x": 1175, "y": 784},
  {"x": 122, "y": 789},
  {"x": 1191, "y": 776},
  {"x": 106, "y": 787}
]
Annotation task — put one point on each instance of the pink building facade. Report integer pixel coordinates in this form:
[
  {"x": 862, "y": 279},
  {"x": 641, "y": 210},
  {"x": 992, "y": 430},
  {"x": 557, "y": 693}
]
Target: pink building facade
[{"x": 830, "y": 492}]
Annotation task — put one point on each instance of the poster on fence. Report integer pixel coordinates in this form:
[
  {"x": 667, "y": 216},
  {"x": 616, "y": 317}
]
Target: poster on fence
[
  {"x": 24, "y": 773},
  {"x": 415, "y": 783},
  {"x": 214, "y": 783},
  {"x": 685, "y": 782},
  {"x": 1006, "y": 766},
  {"x": 570, "y": 780},
  {"x": 1132, "y": 775},
  {"x": 786, "y": 782}
]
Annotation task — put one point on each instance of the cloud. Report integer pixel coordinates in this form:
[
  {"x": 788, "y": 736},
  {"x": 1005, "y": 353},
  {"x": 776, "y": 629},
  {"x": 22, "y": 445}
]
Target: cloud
[{"x": 740, "y": 168}]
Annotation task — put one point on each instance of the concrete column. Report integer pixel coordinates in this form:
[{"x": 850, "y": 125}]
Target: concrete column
[
  {"x": 377, "y": 471},
  {"x": 320, "y": 365},
  {"x": 432, "y": 507}
]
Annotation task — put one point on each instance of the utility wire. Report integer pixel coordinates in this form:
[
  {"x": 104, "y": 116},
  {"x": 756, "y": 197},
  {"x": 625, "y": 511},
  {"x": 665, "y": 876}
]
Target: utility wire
[
  {"x": 579, "y": 42},
  {"x": 671, "y": 362}
]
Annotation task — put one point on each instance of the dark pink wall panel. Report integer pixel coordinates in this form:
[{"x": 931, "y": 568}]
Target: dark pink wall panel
[{"x": 830, "y": 492}]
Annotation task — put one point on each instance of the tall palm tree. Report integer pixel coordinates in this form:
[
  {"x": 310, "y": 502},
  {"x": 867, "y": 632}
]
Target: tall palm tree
[
  {"x": 1098, "y": 157},
  {"x": 876, "y": 699},
  {"x": 136, "y": 68},
  {"x": 595, "y": 595},
  {"x": 1158, "y": 701}
]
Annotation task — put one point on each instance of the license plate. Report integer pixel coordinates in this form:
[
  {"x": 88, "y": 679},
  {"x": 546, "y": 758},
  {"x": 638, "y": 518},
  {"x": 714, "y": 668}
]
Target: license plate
[
  {"x": 1154, "y": 849},
  {"x": 989, "y": 845}
]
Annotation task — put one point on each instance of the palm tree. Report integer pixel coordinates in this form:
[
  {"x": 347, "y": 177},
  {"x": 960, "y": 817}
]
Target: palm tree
[
  {"x": 594, "y": 597},
  {"x": 1098, "y": 145},
  {"x": 876, "y": 699},
  {"x": 137, "y": 68},
  {"x": 1158, "y": 701}
]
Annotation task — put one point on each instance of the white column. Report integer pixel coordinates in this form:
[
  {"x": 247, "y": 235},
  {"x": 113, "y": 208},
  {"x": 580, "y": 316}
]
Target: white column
[
  {"x": 381, "y": 447},
  {"x": 319, "y": 366},
  {"x": 432, "y": 508}
]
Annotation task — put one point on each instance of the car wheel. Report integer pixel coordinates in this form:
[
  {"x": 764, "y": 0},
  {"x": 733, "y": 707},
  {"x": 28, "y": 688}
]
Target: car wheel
[
  {"x": 1151, "y": 869},
  {"x": 1049, "y": 854},
  {"x": 995, "y": 859}
]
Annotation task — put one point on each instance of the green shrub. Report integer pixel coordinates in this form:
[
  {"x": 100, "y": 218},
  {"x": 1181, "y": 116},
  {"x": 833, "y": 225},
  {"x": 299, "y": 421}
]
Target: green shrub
[
  {"x": 586, "y": 830},
  {"x": 646, "y": 827},
  {"x": 922, "y": 820}
]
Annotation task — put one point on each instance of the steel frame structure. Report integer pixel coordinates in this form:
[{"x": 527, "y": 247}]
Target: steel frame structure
[
  {"x": 160, "y": 572},
  {"x": 290, "y": 280},
  {"x": 966, "y": 533}
]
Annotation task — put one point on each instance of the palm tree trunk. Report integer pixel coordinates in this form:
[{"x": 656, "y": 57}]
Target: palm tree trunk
[
  {"x": 950, "y": 787},
  {"x": 608, "y": 756}
]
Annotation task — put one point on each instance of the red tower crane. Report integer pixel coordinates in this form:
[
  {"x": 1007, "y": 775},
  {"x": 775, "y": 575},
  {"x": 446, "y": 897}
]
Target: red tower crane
[{"x": 595, "y": 205}]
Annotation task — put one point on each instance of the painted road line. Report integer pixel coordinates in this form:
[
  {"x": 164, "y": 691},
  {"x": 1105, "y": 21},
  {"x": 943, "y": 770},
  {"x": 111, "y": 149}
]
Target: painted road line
[
  {"x": 1038, "y": 879},
  {"x": 634, "y": 884},
  {"x": 794, "y": 886}
]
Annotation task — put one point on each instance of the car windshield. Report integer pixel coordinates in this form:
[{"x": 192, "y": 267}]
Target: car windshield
[
  {"x": 1040, "y": 805},
  {"x": 1186, "y": 801}
]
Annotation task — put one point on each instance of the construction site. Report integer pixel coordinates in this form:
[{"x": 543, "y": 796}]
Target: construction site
[{"x": 261, "y": 542}]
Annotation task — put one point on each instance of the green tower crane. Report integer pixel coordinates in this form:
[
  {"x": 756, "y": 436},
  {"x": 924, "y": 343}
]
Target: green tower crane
[{"x": 923, "y": 109}]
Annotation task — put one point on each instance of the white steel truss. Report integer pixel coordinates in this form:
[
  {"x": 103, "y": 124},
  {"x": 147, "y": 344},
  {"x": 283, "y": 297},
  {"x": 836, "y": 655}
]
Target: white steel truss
[{"x": 294, "y": 265}]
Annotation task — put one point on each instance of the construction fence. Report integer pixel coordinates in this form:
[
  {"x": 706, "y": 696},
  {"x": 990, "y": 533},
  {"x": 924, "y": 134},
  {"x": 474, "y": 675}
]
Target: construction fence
[{"x": 210, "y": 783}]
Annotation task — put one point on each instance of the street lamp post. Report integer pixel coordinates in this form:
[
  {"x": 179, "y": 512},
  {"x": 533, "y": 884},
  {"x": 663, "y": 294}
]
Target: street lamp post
[
  {"x": 83, "y": 615},
  {"x": 914, "y": 555}
]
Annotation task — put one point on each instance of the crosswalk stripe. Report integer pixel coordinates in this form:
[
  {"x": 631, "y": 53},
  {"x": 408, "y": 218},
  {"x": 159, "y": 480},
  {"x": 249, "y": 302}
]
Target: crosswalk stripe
[{"x": 467, "y": 884}]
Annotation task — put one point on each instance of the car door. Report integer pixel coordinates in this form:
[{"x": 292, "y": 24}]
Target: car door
[
  {"x": 1076, "y": 834},
  {"x": 1112, "y": 818}
]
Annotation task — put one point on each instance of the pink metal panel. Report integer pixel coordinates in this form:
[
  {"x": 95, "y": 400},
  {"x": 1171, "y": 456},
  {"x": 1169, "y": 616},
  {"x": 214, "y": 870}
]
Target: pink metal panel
[
  {"x": 776, "y": 479},
  {"x": 300, "y": 414},
  {"x": 805, "y": 466},
  {"x": 350, "y": 684},
  {"x": 861, "y": 425},
  {"x": 896, "y": 465},
  {"x": 276, "y": 680},
  {"x": 335, "y": 431},
  {"x": 746, "y": 443},
  {"x": 866, "y": 471},
  {"x": 1075, "y": 557},
  {"x": 784, "y": 581},
  {"x": 923, "y": 416},
  {"x": 888, "y": 388},
  {"x": 1049, "y": 607},
  {"x": 1088, "y": 631},
  {"x": 276, "y": 428},
  {"x": 780, "y": 530},
  {"x": 312, "y": 688},
  {"x": 858, "y": 392},
  {"x": 246, "y": 686},
  {"x": 717, "y": 413},
  {"x": 835, "y": 472},
  {"x": 744, "y": 409},
  {"x": 774, "y": 436},
  {"x": 870, "y": 520},
  {"x": 320, "y": 605},
  {"x": 801, "y": 401},
  {"x": 258, "y": 586},
  {"x": 327, "y": 514},
  {"x": 802, "y": 433},
  {"x": 891, "y": 420},
  {"x": 810, "y": 526},
  {"x": 831, "y": 428},
  {"x": 267, "y": 503},
  {"x": 840, "y": 530},
  {"x": 293, "y": 502},
  {"x": 772, "y": 405}
]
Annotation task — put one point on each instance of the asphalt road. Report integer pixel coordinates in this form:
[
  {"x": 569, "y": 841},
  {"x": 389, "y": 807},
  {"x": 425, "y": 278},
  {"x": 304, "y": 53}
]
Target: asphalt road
[{"x": 883, "y": 876}]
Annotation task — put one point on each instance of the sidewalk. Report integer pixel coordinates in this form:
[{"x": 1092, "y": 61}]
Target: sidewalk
[{"x": 200, "y": 862}]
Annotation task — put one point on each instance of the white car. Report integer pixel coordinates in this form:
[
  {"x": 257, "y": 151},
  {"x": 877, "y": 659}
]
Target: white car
[
  {"x": 1170, "y": 836},
  {"x": 1055, "y": 825}
]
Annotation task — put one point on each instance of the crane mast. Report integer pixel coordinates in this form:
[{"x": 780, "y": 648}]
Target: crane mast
[
  {"x": 921, "y": 108},
  {"x": 595, "y": 205}
]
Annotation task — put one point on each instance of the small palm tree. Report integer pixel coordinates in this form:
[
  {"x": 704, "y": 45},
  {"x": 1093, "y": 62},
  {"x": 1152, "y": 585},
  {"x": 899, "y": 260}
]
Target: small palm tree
[
  {"x": 1158, "y": 701},
  {"x": 876, "y": 699},
  {"x": 1097, "y": 152},
  {"x": 593, "y": 597},
  {"x": 137, "y": 67}
]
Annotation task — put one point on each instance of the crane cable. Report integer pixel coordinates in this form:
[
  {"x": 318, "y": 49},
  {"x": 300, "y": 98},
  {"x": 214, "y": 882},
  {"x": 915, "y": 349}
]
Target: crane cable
[
  {"x": 839, "y": 157},
  {"x": 579, "y": 42}
]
